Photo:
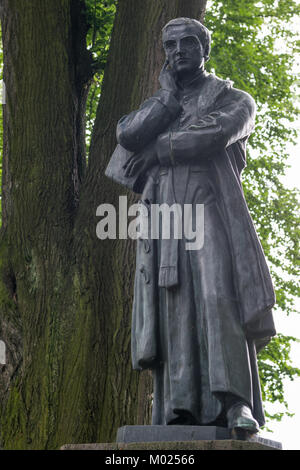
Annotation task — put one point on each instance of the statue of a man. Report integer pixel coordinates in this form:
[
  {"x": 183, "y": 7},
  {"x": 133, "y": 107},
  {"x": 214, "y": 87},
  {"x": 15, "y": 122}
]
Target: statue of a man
[{"x": 199, "y": 316}]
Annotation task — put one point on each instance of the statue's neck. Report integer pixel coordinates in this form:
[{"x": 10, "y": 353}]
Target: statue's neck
[{"x": 188, "y": 80}]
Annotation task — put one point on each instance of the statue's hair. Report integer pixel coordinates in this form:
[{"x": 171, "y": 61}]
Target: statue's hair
[{"x": 201, "y": 31}]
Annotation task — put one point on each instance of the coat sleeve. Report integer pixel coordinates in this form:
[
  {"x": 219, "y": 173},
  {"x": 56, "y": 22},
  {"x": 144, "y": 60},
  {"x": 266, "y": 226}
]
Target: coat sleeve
[
  {"x": 232, "y": 120},
  {"x": 139, "y": 128}
]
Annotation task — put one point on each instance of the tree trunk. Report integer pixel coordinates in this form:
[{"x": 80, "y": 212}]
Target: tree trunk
[{"x": 65, "y": 296}]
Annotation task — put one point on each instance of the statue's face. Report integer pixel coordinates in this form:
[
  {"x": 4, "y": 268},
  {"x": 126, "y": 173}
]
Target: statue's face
[{"x": 183, "y": 49}]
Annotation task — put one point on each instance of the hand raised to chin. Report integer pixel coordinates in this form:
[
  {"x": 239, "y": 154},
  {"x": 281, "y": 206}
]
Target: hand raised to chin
[{"x": 167, "y": 79}]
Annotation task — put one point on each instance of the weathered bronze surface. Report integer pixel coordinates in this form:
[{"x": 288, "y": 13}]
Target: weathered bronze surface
[{"x": 199, "y": 316}]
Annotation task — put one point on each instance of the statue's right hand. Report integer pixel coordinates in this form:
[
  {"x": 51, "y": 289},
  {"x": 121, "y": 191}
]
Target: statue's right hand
[
  {"x": 167, "y": 79},
  {"x": 140, "y": 162}
]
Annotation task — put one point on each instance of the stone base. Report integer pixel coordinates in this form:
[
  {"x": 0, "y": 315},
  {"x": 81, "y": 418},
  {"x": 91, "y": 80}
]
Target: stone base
[
  {"x": 178, "y": 438},
  {"x": 155, "y": 433},
  {"x": 178, "y": 446}
]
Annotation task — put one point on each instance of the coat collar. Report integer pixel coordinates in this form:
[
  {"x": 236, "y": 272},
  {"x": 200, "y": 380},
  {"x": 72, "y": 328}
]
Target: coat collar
[{"x": 211, "y": 90}]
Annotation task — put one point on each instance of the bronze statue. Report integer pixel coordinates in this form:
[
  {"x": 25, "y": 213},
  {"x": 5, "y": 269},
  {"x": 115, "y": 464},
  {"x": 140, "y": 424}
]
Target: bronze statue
[{"x": 199, "y": 317}]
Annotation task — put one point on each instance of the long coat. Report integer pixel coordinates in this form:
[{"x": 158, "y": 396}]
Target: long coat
[{"x": 223, "y": 118}]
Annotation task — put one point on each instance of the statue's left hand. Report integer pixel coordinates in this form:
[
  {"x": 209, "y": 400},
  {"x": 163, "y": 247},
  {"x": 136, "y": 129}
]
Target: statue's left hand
[{"x": 141, "y": 162}]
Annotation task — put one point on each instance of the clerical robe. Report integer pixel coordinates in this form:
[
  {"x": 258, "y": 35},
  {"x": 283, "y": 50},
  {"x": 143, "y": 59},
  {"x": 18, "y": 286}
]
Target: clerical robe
[{"x": 198, "y": 316}]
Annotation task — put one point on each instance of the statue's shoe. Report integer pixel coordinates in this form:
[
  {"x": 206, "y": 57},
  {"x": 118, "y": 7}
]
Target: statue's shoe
[{"x": 241, "y": 422}]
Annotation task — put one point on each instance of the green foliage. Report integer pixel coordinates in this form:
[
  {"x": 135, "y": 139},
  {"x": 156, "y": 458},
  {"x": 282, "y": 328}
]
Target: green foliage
[
  {"x": 255, "y": 46},
  {"x": 274, "y": 368},
  {"x": 274, "y": 364},
  {"x": 100, "y": 18}
]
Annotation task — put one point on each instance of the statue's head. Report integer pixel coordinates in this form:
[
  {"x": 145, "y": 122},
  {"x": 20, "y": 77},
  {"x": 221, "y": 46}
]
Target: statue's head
[{"x": 187, "y": 45}]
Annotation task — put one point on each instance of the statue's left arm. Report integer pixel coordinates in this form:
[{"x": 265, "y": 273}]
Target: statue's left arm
[{"x": 232, "y": 120}]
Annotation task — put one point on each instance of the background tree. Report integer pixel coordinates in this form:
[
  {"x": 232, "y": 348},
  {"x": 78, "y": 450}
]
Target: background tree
[{"x": 65, "y": 297}]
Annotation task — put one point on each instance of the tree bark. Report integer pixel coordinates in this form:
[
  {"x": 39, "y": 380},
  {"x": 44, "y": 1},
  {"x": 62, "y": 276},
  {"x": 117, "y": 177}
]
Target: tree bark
[{"x": 65, "y": 296}]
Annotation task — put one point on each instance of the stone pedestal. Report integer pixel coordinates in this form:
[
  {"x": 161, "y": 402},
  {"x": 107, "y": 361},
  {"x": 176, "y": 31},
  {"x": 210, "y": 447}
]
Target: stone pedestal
[
  {"x": 158, "y": 433},
  {"x": 178, "y": 446},
  {"x": 138, "y": 434},
  {"x": 177, "y": 438}
]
